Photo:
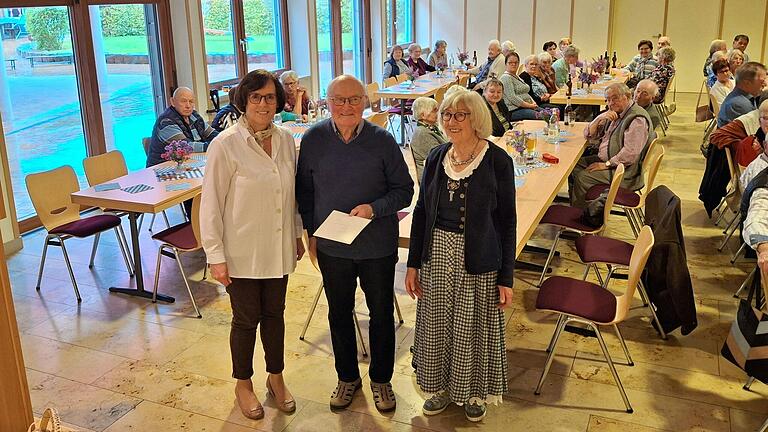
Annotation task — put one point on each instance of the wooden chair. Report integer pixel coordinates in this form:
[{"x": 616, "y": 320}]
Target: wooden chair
[
  {"x": 568, "y": 218},
  {"x": 661, "y": 108},
  {"x": 50, "y": 193},
  {"x": 402, "y": 77},
  {"x": 440, "y": 94},
  {"x": 380, "y": 119},
  {"x": 732, "y": 199},
  {"x": 101, "y": 169},
  {"x": 590, "y": 304},
  {"x": 463, "y": 80},
  {"x": 373, "y": 100},
  {"x": 176, "y": 240}
]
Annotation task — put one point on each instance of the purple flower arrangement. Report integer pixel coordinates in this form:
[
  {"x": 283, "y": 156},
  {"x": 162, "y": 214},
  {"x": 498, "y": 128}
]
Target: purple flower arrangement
[
  {"x": 600, "y": 65},
  {"x": 462, "y": 56},
  {"x": 177, "y": 151}
]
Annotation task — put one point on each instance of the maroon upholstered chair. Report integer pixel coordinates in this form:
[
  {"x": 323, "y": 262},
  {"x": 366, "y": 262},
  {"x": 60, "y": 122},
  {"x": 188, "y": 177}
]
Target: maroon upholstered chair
[
  {"x": 594, "y": 306},
  {"x": 177, "y": 239},
  {"x": 50, "y": 192},
  {"x": 568, "y": 218}
]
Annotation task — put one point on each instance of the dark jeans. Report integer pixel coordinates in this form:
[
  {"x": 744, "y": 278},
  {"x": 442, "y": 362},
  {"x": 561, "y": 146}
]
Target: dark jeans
[
  {"x": 254, "y": 302},
  {"x": 377, "y": 279}
]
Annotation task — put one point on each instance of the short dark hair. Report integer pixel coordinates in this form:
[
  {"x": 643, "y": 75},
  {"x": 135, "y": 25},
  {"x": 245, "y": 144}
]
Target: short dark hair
[
  {"x": 256, "y": 80},
  {"x": 511, "y": 54},
  {"x": 494, "y": 81},
  {"x": 549, "y": 44},
  {"x": 749, "y": 71},
  {"x": 645, "y": 42},
  {"x": 719, "y": 65},
  {"x": 741, "y": 36},
  {"x": 394, "y": 48}
]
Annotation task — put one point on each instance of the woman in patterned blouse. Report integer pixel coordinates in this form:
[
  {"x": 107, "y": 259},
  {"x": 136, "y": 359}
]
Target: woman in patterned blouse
[
  {"x": 642, "y": 64},
  {"x": 664, "y": 72}
]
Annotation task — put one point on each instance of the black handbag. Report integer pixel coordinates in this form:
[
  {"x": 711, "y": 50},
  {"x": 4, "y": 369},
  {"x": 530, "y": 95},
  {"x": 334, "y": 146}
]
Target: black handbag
[
  {"x": 595, "y": 211},
  {"x": 747, "y": 342}
]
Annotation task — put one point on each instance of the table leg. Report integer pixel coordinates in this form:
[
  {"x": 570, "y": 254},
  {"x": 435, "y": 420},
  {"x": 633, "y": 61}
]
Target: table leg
[
  {"x": 139, "y": 291},
  {"x": 402, "y": 122}
]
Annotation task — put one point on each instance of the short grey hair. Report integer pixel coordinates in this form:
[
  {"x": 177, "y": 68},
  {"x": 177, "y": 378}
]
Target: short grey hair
[
  {"x": 763, "y": 106},
  {"x": 666, "y": 53},
  {"x": 715, "y": 45},
  {"x": 571, "y": 51},
  {"x": 545, "y": 57},
  {"x": 717, "y": 55},
  {"x": 412, "y": 47},
  {"x": 749, "y": 71},
  {"x": 508, "y": 45},
  {"x": 495, "y": 43},
  {"x": 288, "y": 74},
  {"x": 620, "y": 88},
  {"x": 423, "y": 106},
  {"x": 652, "y": 87},
  {"x": 480, "y": 117},
  {"x": 531, "y": 57},
  {"x": 735, "y": 52},
  {"x": 440, "y": 43}
]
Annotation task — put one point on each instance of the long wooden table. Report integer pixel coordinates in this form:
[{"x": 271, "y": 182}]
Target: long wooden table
[
  {"x": 540, "y": 187},
  {"x": 596, "y": 97},
  {"x": 425, "y": 85},
  {"x": 150, "y": 201}
]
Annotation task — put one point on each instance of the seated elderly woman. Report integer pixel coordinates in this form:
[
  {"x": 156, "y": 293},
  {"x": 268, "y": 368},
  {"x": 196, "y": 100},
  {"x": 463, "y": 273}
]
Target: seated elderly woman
[
  {"x": 535, "y": 80},
  {"x": 755, "y": 198},
  {"x": 664, "y": 72},
  {"x": 438, "y": 58},
  {"x": 418, "y": 66},
  {"x": 642, "y": 64},
  {"x": 427, "y": 135},
  {"x": 724, "y": 83},
  {"x": 500, "y": 115},
  {"x": 516, "y": 97},
  {"x": 547, "y": 73},
  {"x": 562, "y": 45},
  {"x": 296, "y": 98},
  {"x": 711, "y": 78},
  {"x": 551, "y": 48},
  {"x": 563, "y": 66},
  {"x": 395, "y": 65},
  {"x": 735, "y": 59},
  {"x": 717, "y": 45}
]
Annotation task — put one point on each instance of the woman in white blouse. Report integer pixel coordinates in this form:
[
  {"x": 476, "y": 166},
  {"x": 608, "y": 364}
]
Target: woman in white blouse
[
  {"x": 724, "y": 84},
  {"x": 251, "y": 232}
]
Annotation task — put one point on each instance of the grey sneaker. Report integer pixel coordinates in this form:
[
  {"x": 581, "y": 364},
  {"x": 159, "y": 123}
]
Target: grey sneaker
[
  {"x": 474, "y": 412},
  {"x": 383, "y": 396},
  {"x": 436, "y": 404},
  {"x": 345, "y": 391}
]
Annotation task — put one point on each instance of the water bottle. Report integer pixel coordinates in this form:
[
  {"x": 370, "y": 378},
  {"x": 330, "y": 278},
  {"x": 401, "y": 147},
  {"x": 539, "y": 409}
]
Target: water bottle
[
  {"x": 311, "y": 107},
  {"x": 277, "y": 120},
  {"x": 568, "y": 113},
  {"x": 554, "y": 124},
  {"x": 450, "y": 63}
]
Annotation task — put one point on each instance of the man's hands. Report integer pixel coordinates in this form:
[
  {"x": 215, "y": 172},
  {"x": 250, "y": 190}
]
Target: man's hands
[
  {"x": 363, "y": 210},
  {"x": 220, "y": 273}
]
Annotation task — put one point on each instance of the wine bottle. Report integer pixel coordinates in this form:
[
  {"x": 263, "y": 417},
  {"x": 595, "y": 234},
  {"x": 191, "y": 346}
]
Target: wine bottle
[
  {"x": 613, "y": 59},
  {"x": 605, "y": 56},
  {"x": 474, "y": 58},
  {"x": 569, "y": 84}
]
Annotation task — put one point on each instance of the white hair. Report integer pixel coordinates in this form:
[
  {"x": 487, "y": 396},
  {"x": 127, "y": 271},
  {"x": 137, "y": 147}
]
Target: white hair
[
  {"x": 494, "y": 43},
  {"x": 545, "y": 57},
  {"x": 423, "y": 106},
  {"x": 531, "y": 57},
  {"x": 650, "y": 85},
  {"x": 480, "y": 117},
  {"x": 571, "y": 51},
  {"x": 413, "y": 47},
  {"x": 287, "y": 75},
  {"x": 508, "y": 46}
]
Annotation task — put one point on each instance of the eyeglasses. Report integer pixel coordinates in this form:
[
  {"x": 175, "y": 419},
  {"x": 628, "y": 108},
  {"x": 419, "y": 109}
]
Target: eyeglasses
[
  {"x": 340, "y": 101},
  {"x": 459, "y": 116},
  {"x": 256, "y": 98}
]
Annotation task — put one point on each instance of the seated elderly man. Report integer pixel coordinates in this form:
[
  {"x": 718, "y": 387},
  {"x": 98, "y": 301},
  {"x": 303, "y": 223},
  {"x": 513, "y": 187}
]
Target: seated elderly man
[
  {"x": 750, "y": 79},
  {"x": 562, "y": 66},
  {"x": 494, "y": 65},
  {"x": 179, "y": 121},
  {"x": 645, "y": 91},
  {"x": 624, "y": 132},
  {"x": 754, "y": 202}
]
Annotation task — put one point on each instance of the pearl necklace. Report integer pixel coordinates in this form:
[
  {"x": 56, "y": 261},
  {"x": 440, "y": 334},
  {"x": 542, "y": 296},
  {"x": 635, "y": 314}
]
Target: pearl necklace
[{"x": 455, "y": 162}]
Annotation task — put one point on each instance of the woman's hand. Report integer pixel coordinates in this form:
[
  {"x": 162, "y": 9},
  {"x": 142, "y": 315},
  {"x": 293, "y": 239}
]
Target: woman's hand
[
  {"x": 220, "y": 273},
  {"x": 412, "y": 285},
  {"x": 505, "y": 295},
  {"x": 299, "y": 248},
  {"x": 545, "y": 97},
  {"x": 312, "y": 246},
  {"x": 531, "y": 105}
]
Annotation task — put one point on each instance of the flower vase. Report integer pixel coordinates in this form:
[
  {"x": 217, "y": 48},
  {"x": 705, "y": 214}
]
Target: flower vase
[
  {"x": 179, "y": 167},
  {"x": 589, "y": 89}
]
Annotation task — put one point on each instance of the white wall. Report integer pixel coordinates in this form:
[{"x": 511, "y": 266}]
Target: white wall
[{"x": 191, "y": 68}]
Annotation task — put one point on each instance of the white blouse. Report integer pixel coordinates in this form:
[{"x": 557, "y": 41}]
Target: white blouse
[
  {"x": 248, "y": 217},
  {"x": 469, "y": 169}
]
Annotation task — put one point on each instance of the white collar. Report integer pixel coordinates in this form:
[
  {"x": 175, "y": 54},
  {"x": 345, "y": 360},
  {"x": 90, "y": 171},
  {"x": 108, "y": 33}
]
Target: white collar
[{"x": 466, "y": 172}]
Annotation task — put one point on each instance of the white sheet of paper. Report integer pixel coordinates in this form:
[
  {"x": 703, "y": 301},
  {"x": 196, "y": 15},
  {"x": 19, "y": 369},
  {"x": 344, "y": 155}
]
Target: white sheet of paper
[{"x": 341, "y": 227}]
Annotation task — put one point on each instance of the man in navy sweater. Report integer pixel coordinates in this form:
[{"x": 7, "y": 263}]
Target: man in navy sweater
[{"x": 351, "y": 165}]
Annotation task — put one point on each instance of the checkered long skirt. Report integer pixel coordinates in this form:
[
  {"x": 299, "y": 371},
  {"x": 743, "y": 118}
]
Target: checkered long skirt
[{"x": 459, "y": 344}]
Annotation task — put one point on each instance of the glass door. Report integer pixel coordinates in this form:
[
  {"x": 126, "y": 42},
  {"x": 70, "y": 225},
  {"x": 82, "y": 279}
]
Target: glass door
[
  {"x": 352, "y": 37},
  {"x": 324, "y": 43}
]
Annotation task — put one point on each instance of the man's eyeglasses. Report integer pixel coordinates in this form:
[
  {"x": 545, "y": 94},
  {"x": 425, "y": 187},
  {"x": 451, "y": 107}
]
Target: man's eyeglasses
[
  {"x": 340, "y": 101},
  {"x": 459, "y": 116},
  {"x": 256, "y": 98}
]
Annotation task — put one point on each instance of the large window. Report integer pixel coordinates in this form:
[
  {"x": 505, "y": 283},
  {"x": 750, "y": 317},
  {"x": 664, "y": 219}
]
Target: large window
[
  {"x": 400, "y": 24},
  {"x": 243, "y": 35},
  {"x": 54, "y": 112},
  {"x": 324, "y": 43},
  {"x": 341, "y": 40}
]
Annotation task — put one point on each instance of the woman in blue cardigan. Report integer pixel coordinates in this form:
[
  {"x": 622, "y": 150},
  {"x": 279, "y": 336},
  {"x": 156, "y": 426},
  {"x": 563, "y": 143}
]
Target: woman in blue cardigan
[
  {"x": 461, "y": 262},
  {"x": 395, "y": 65}
]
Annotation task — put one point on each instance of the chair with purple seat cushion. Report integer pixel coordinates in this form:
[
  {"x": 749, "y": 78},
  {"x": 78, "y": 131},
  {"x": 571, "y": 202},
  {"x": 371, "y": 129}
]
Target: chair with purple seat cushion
[
  {"x": 50, "y": 193},
  {"x": 175, "y": 240},
  {"x": 577, "y": 301},
  {"x": 632, "y": 202},
  {"x": 568, "y": 218}
]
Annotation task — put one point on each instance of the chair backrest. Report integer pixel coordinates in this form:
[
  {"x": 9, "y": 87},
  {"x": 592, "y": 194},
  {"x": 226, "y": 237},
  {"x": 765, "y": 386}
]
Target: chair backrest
[
  {"x": 389, "y": 82},
  {"x": 714, "y": 104},
  {"x": 402, "y": 77},
  {"x": 651, "y": 166},
  {"x": 145, "y": 142},
  {"x": 637, "y": 261},
  {"x": 666, "y": 90},
  {"x": 50, "y": 194},
  {"x": 104, "y": 167},
  {"x": 464, "y": 80},
  {"x": 379, "y": 119},
  {"x": 732, "y": 168},
  {"x": 195, "y": 219},
  {"x": 618, "y": 177},
  {"x": 370, "y": 91},
  {"x": 440, "y": 94}
]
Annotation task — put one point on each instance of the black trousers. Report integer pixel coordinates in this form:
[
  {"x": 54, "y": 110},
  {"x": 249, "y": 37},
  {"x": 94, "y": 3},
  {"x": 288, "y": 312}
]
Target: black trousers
[
  {"x": 377, "y": 279},
  {"x": 254, "y": 302}
]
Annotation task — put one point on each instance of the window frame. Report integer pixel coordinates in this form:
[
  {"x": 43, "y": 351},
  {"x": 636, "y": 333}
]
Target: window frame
[
  {"x": 241, "y": 55},
  {"x": 392, "y": 25}
]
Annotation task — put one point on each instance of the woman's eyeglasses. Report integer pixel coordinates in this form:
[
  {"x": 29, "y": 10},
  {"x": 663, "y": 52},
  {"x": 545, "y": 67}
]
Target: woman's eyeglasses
[
  {"x": 459, "y": 116},
  {"x": 256, "y": 98}
]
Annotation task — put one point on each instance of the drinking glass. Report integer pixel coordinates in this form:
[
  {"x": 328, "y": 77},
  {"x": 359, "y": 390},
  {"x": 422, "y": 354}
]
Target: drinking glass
[{"x": 278, "y": 120}]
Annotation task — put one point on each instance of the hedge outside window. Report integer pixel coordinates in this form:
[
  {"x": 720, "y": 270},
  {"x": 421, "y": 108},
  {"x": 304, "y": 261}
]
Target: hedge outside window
[
  {"x": 399, "y": 22},
  {"x": 220, "y": 46}
]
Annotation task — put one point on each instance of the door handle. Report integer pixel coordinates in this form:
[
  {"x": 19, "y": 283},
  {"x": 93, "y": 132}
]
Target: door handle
[{"x": 243, "y": 45}]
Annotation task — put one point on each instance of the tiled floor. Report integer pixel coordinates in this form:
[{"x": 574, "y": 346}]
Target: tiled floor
[{"x": 115, "y": 363}]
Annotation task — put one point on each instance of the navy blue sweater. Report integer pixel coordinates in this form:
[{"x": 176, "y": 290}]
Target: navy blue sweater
[{"x": 332, "y": 175}]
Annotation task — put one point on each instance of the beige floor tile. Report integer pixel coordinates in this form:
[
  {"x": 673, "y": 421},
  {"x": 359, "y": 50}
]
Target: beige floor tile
[
  {"x": 744, "y": 421},
  {"x": 318, "y": 417},
  {"x": 33, "y": 310},
  {"x": 602, "y": 424},
  {"x": 65, "y": 360},
  {"x": 148, "y": 416},
  {"x": 80, "y": 404}
]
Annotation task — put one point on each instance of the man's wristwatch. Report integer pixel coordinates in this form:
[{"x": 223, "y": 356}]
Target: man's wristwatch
[
  {"x": 373, "y": 213},
  {"x": 608, "y": 163}
]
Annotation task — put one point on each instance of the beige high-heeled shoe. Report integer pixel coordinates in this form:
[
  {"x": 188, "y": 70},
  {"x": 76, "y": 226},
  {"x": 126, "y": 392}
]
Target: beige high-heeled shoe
[
  {"x": 255, "y": 412},
  {"x": 286, "y": 406}
]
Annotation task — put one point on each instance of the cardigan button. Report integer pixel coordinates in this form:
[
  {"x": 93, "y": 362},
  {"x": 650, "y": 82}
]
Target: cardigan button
[
  {"x": 461, "y": 226},
  {"x": 462, "y": 218},
  {"x": 461, "y": 208},
  {"x": 461, "y": 196}
]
